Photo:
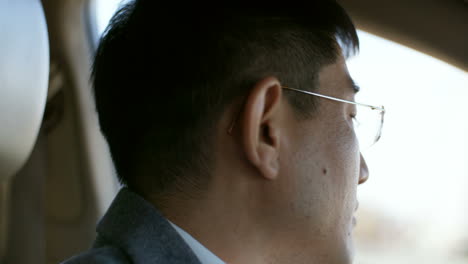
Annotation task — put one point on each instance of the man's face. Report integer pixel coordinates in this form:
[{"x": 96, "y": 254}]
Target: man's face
[{"x": 322, "y": 169}]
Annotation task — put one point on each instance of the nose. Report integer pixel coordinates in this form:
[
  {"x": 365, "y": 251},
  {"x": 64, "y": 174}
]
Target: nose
[{"x": 364, "y": 171}]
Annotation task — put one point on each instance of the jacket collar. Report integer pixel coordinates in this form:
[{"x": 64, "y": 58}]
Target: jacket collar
[{"x": 136, "y": 227}]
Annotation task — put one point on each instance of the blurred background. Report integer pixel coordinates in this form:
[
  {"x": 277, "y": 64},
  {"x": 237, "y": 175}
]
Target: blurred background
[{"x": 414, "y": 207}]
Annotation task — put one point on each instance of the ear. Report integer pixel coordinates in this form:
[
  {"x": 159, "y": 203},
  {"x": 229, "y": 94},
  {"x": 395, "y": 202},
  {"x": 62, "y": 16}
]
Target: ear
[{"x": 260, "y": 126}]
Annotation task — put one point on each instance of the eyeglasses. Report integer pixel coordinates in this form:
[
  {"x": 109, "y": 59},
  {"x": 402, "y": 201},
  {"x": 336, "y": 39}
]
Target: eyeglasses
[{"x": 367, "y": 124}]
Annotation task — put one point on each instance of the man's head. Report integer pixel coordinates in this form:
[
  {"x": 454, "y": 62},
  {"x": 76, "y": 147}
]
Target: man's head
[{"x": 191, "y": 101}]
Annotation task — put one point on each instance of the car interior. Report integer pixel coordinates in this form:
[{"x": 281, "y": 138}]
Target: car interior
[{"x": 56, "y": 175}]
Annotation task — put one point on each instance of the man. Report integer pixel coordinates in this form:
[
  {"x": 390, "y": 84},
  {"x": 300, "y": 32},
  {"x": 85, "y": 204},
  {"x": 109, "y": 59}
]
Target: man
[{"x": 232, "y": 132}]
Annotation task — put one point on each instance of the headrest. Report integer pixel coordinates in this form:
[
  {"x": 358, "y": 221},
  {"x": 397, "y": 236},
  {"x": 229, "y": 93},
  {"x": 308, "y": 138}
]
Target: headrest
[{"x": 24, "y": 76}]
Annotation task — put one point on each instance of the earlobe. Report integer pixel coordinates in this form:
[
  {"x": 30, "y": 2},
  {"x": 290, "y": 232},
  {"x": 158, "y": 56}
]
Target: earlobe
[{"x": 261, "y": 127}]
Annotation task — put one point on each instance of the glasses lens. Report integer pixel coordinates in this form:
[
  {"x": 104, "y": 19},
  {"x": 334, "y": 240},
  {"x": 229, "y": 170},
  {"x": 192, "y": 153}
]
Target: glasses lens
[{"x": 368, "y": 126}]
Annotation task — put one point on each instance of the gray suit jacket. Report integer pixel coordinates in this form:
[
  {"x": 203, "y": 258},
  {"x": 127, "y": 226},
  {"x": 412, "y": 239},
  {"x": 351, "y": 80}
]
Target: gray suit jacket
[{"x": 133, "y": 231}]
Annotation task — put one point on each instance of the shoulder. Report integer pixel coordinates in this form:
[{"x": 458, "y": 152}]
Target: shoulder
[{"x": 102, "y": 255}]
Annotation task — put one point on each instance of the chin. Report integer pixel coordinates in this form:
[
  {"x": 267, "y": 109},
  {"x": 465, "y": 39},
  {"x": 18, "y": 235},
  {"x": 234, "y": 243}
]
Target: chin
[
  {"x": 346, "y": 249},
  {"x": 344, "y": 257},
  {"x": 349, "y": 249},
  {"x": 342, "y": 251}
]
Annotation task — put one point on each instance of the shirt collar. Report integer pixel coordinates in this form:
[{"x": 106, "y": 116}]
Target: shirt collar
[
  {"x": 204, "y": 255},
  {"x": 136, "y": 227}
]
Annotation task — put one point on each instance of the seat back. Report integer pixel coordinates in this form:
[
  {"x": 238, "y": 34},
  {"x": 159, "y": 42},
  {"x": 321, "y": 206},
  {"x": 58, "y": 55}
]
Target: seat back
[{"x": 24, "y": 74}]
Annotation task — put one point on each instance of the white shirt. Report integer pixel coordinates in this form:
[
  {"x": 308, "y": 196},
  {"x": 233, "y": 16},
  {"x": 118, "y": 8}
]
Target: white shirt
[{"x": 203, "y": 254}]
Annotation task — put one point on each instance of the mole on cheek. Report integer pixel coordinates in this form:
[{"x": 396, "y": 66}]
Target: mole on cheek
[{"x": 324, "y": 171}]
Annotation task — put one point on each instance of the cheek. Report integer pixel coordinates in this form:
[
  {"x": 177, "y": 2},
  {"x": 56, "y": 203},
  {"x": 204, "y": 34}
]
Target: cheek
[
  {"x": 341, "y": 149},
  {"x": 322, "y": 168},
  {"x": 339, "y": 167},
  {"x": 305, "y": 183},
  {"x": 344, "y": 159}
]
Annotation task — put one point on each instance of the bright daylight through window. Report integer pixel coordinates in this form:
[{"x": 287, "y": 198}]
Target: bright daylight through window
[{"x": 414, "y": 208}]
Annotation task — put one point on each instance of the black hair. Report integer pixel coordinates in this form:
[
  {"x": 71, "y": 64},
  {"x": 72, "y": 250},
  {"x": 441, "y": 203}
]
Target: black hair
[{"x": 164, "y": 74}]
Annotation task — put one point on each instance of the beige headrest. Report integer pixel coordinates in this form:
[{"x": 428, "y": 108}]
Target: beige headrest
[{"x": 24, "y": 75}]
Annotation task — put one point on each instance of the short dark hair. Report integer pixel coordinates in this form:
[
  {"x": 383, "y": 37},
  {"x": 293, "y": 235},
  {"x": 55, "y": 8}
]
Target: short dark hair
[{"x": 164, "y": 75}]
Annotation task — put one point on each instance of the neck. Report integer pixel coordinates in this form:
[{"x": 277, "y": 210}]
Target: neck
[
  {"x": 237, "y": 230},
  {"x": 218, "y": 224}
]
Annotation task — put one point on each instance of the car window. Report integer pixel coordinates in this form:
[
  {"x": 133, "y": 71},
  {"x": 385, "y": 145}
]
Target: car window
[
  {"x": 101, "y": 12},
  {"x": 414, "y": 208}
]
